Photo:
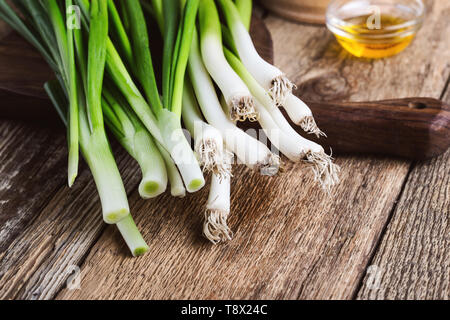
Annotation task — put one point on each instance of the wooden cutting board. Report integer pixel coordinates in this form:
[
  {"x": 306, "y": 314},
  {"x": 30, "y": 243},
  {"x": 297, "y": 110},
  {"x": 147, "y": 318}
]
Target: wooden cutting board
[{"x": 415, "y": 128}]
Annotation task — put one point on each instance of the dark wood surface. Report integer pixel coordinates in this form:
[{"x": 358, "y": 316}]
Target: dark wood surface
[
  {"x": 413, "y": 128},
  {"x": 388, "y": 217}
]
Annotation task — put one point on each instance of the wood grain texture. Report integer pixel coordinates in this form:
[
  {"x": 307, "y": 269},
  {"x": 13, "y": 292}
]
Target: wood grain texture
[
  {"x": 291, "y": 240},
  {"x": 31, "y": 169},
  {"x": 413, "y": 261},
  {"x": 411, "y": 128},
  {"x": 56, "y": 227},
  {"x": 324, "y": 71},
  {"x": 302, "y": 245},
  {"x": 309, "y": 11},
  {"x": 37, "y": 263}
]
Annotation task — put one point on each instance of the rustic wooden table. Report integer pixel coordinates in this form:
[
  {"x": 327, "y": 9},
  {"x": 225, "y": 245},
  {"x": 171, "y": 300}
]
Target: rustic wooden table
[{"x": 384, "y": 232}]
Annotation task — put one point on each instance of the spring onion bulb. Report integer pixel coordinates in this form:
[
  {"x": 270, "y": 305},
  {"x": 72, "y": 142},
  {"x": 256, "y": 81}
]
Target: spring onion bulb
[
  {"x": 236, "y": 93},
  {"x": 290, "y": 143},
  {"x": 277, "y": 137},
  {"x": 302, "y": 115},
  {"x": 208, "y": 140},
  {"x": 297, "y": 110},
  {"x": 269, "y": 77},
  {"x": 215, "y": 227},
  {"x": 251, "y": 152}
]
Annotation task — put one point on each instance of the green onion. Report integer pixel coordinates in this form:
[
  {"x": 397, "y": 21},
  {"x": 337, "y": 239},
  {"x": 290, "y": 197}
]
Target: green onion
[
  {"x": 215, "y": 226},
  {"x": 237, "y": 95},
  {"x": 126, "y": 226},
  {"x": 73, "y": 113},
  {"x": 132, "y": 236},
  {"x": 174, "y": 66},
  {"x": 135, "y": 138},
  {"x": 208, "y": 140},
  {"x": 144, "y": 65},
  {"x": 245, "y": 8},
  {"x": 120, "y": 33},
  {"x": 269, "y": 77},
  {"x": 171, "y": 12},
  {"x": 66, "y": 54},
  {"x": 282, "y": 135},
  {"x": 249, "y": 150}
]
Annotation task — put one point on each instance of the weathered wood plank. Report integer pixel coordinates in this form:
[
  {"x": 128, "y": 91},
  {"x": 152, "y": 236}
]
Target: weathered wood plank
[
  {"x": 32, "y": 161},
  {"x": 302, "y": 245},
  {"x": 288, "y": 234},
  {"x": 290, "y": 241},
  {"x": 324, "y": 71},
  {"x": 413, "y": 260},
  {"x": 330, "y": 241},
  {"x": 37, "y": 263}
]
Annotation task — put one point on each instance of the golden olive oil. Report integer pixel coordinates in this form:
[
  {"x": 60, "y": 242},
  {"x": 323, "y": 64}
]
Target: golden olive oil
[{"x": 374, "y": 39}]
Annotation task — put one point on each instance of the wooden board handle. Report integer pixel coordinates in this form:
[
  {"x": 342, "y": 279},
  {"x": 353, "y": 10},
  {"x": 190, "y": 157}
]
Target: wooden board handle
[{"x": 414, "y": 128}]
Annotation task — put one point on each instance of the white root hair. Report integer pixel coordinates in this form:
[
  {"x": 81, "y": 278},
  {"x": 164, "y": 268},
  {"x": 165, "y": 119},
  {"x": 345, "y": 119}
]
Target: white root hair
[
  {"x": 215, "y": 227},
  {"x": 281, "y": 87},
  {"x": 212, "y": 158},
  {"x": 309, "y": 125},
  {"x": 242, "y": 109},
  {"x": 325, "y": 171}
]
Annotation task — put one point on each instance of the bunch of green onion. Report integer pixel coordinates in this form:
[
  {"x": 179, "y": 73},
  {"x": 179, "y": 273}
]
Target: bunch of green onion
[{"x": 212, "y": 78}]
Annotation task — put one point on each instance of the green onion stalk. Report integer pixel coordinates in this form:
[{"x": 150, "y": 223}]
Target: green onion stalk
[
  {"x": 245, "y": 8},
  {"x": 77, "y": 102},
  {"x": 283, "y": 136},
  {"x": 237, "y": 95},
  {"x": 272, "y": 79},
  {"x": 250, "y": 151},
  {"x": 209, "y": 143},
  {"x": 162, "y": 121},
  {"x": 120, "y": 35},
  {"x": 126, "y": 226}
]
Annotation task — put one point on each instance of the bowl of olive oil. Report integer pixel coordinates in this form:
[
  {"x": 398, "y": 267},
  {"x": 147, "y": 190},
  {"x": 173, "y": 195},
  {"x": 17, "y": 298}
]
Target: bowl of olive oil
[{"x": 375, "y": 28}]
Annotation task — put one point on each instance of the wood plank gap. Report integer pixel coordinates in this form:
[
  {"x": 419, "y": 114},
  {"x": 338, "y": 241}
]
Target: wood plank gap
[
  {"x": 82, "y": 261},
  {"x": 383, "y": 231}
]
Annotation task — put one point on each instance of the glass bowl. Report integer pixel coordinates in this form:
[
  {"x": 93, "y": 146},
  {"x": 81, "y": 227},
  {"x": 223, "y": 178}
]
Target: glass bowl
[{"x": 375, "y": 28}]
